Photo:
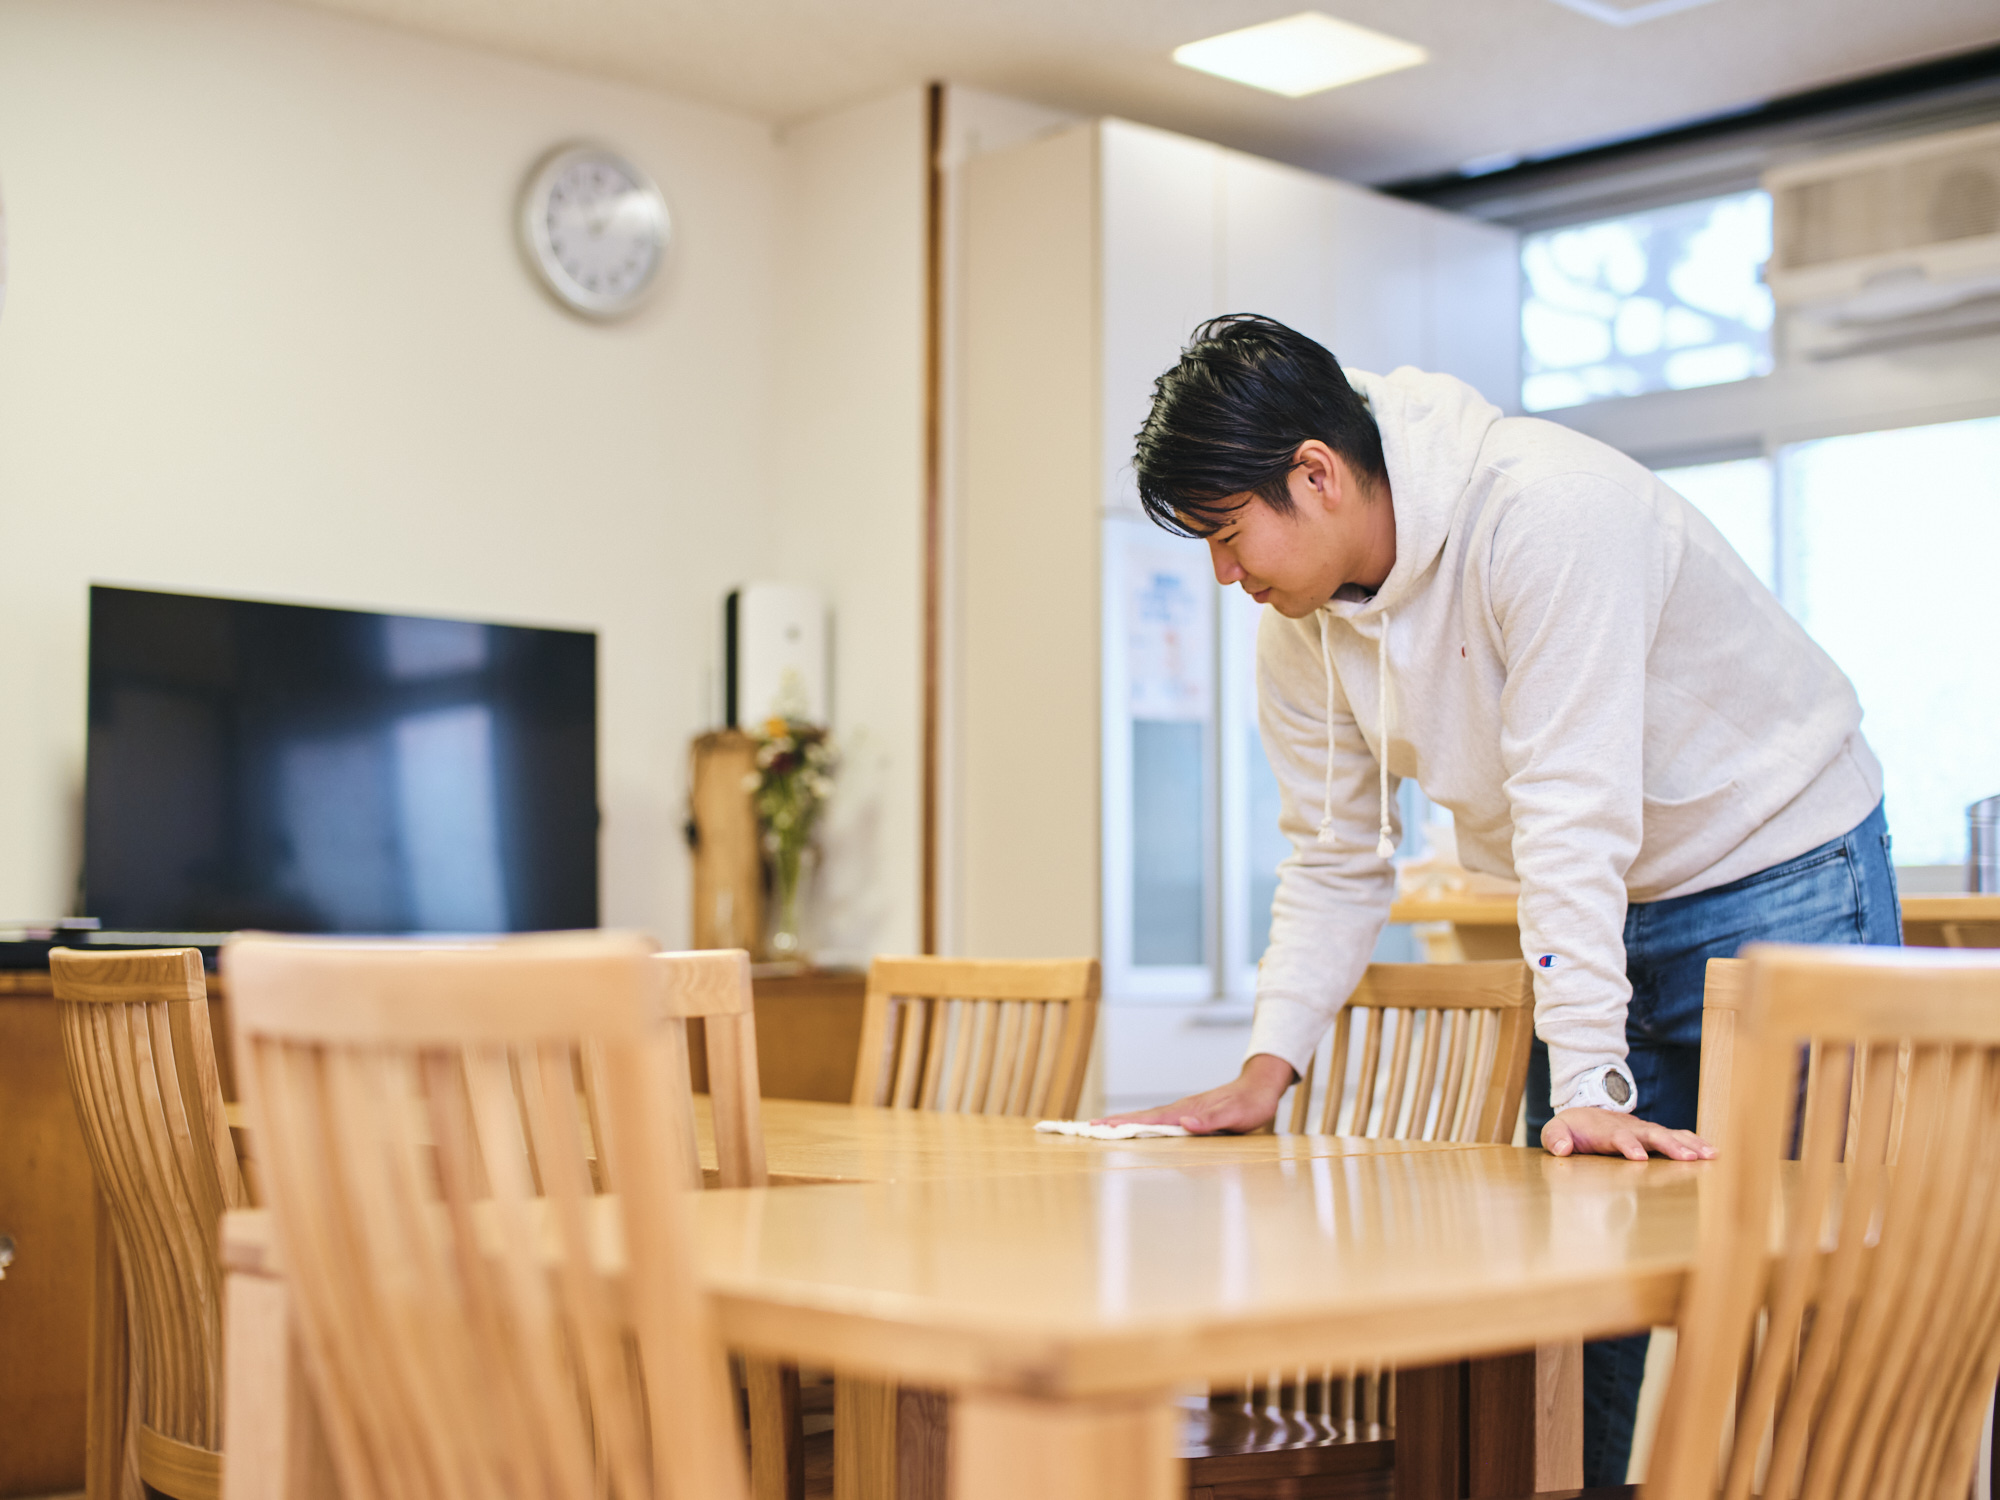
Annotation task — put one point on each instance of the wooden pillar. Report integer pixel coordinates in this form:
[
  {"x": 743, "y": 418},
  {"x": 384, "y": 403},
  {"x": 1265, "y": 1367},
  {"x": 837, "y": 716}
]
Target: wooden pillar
[{"x": 722, "y": 834}]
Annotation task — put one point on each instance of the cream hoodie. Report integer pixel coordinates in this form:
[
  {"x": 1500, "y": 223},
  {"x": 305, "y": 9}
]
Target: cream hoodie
[{"x": 1570, "y": 658}]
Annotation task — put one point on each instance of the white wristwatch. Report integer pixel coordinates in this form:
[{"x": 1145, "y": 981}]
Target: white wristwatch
[{"x": 1609, "y": 1087}]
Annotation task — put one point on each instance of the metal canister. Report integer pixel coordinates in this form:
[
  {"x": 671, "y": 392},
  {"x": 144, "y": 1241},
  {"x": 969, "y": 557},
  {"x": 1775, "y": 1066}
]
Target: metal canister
[{"x": 1982, "y": 838}]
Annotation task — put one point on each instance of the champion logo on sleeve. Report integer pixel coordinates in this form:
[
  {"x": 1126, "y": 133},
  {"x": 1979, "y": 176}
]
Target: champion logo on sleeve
[{"x": 1546, "y": 961}]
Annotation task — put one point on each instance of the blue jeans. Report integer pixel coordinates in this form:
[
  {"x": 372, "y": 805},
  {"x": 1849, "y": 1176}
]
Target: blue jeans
[{"x": 1841, "y": 892}]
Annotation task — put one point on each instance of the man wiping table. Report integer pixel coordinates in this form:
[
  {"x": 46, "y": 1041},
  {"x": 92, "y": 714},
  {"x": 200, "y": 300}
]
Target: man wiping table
[{"x": 1571, "y": 659}]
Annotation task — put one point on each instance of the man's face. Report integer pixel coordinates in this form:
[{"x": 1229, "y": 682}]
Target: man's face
[{"x": 1295, "y": 563}]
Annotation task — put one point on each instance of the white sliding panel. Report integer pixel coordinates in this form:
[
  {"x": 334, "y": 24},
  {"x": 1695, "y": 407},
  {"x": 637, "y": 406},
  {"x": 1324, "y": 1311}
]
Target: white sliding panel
[
  {"x": 1473, "y": 310},
  {"x": 1277, "y": 231},
  {"x": 1377, "y": 271},
  {"x": 1158, "y": 202},
  {"x": 1160, "y": 928}
]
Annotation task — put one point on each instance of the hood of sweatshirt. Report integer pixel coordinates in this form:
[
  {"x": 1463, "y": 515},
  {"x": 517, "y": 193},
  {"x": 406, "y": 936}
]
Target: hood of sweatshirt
[{"x": 1432, "y": 427}]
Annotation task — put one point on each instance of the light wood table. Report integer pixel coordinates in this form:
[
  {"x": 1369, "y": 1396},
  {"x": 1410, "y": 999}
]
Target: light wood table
[
  {"x": 1951, "y": 921},
  {"x": 1486, "y": 926},
  {"x": 1529, "y": 1405},
  {"x": 1062, "y": 1310},
  {"x": 807, "y": 1142}
]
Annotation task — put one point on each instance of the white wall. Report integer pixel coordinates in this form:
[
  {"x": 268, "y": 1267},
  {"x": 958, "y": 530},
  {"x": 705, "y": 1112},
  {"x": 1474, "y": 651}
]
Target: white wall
[
  {"x": 266, "y": 333},
  {"x": 845, "y": 458}
]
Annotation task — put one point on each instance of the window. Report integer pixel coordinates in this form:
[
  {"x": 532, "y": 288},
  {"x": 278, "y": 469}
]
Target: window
[
  {"x": 1737, "y": 496},
  {"x": 1665, "y": 299},
  {"x": 1882, "y": 545},
  {"x": 1191, "y": 837},
  {"x": 1890, "y": 546}
]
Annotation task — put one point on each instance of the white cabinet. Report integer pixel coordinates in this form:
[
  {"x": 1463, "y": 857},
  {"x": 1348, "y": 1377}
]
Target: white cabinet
[
  {"x": 1187, "y": 230},
  {"x": 1277, "y": 226},
  {"x": 1089, "y": 256}
]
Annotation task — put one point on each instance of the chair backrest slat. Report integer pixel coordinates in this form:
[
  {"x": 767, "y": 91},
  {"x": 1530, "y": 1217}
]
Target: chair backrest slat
[
  {"x": 1452, "y": 1095},
  {"x": 480, "y": 1314},
  {"x": 142, "y": 1070},
  {"x": 977, "y": 1036},
  {"x": 714, "y": 984},
  {"x": 1841, "y": 1333},
  {"x": 1443, "y": 1055}
]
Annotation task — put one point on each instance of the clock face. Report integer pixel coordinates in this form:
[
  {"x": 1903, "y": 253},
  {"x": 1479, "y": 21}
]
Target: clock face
[{"x": 596, "y": 229}]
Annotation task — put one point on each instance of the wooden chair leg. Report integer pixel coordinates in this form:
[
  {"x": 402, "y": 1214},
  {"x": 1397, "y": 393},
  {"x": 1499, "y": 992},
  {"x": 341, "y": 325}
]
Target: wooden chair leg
[
  {"x": 864, "y": 1438},
  {"x": 777, "y": 1447},
  {"x": 1559, "y": 1416},
  {"x": 1006, "y": 1447},
  {"x": 923, "y": 1421},
  {"x": 276, "y": 1448},
  {"x": 111, "y": 1452},
  {"x": 256, "y": 1391}
]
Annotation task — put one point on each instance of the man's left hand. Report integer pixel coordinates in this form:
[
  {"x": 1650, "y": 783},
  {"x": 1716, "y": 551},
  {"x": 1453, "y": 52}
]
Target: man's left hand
[{"x": 1603, "y": 1132}]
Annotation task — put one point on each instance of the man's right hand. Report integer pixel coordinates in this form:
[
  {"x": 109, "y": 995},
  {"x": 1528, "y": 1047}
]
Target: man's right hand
[{"x": 1248, "y": 1102}]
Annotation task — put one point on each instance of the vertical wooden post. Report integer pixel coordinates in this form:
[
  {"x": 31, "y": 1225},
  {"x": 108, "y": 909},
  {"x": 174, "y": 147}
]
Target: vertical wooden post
[{"x": 933, "y": 497}]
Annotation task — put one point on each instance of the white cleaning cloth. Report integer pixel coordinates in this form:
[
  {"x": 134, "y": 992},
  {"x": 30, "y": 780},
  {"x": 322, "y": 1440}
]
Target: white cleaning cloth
[{"x": 1105, "y": 1132}]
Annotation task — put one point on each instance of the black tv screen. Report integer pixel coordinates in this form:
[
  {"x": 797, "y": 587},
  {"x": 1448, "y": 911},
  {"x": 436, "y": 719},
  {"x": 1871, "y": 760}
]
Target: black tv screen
[{"x": 300, "y": 769}]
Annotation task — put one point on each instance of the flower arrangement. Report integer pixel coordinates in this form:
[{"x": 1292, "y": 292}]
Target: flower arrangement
[{"x": 789, "y": 789}]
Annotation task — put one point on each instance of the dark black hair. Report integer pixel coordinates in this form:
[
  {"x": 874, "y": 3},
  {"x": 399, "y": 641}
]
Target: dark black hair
[{"x": 1229, "y": 418}]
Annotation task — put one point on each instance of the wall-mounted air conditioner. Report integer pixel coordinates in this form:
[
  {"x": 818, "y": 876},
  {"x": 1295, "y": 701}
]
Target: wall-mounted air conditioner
[{"x": 1894, "y": 245}]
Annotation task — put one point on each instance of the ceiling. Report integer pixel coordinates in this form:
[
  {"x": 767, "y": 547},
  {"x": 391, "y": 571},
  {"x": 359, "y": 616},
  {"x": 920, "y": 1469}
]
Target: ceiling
[{"x": 1507, "y": 77}]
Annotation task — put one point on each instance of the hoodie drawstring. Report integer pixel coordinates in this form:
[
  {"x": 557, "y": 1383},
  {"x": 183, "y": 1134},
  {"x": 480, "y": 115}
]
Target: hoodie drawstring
[
  {"x": 1385, "y": 847},
  {"x": 1326, "y": 796}
]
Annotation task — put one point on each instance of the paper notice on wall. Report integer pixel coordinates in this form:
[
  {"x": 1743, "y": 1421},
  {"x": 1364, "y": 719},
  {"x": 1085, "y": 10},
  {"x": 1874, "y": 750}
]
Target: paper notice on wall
[{"x": 1169, "y": 629}]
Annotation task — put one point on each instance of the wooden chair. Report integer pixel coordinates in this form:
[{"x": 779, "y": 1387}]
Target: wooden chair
[
  {"x": 1455, "y": 1061},
  {"x": 1433, "y": 1052},
  {"x": 967, "y": 1036},
  {"x": 977, "y": 1036},
  {"x": 715, "y": 986},
  {"x": 1725, "y": 987},
  {"x": 478, "y": 1319},
  {"x": 1841, "y": 1331},
  {"x": 142, "y": 1071}
]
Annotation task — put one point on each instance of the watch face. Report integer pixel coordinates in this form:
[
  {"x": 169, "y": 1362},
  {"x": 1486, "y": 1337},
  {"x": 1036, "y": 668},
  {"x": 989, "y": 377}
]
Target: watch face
[
  {"x": 596, "y": 229},
  {"x": 1616, "y": 1086}
]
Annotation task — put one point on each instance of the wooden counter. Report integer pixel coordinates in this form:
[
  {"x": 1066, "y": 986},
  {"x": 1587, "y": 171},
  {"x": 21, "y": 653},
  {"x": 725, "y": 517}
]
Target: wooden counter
[
  {"x": 46, "y": 1206},
  {"x": 808, "y": 1035}
]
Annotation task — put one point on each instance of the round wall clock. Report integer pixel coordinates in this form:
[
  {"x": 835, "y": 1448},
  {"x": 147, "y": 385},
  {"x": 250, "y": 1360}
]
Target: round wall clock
[{"x": 595, "y": 229}]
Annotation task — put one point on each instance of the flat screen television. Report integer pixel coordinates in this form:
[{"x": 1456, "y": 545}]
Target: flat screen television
[{"x": 300, "y": 769}]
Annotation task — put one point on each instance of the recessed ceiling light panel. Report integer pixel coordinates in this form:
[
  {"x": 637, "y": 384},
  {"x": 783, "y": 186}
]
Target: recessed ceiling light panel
[{"x": 1303, "y": 54}]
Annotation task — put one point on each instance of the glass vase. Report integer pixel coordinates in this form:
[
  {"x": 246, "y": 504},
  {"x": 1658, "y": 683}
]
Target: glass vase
[{"x": 788, "y": 880}]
